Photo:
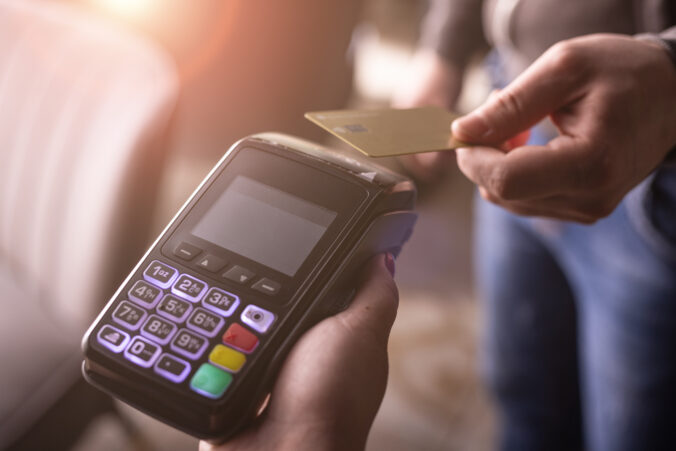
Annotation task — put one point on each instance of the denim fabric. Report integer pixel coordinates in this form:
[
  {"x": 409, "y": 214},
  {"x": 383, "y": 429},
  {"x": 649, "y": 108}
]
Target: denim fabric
[{"x": 579, "y": 348}]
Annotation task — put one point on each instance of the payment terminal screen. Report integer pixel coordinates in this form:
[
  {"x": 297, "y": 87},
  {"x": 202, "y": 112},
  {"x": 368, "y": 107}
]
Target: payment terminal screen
[{"x": 267, "y": 225}]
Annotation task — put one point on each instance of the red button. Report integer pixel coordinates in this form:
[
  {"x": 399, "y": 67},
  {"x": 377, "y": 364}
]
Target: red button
[{"x": 240, "y": 338}]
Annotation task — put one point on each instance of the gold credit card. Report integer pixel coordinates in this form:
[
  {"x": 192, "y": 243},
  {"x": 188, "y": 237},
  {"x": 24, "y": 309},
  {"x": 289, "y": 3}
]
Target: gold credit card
[{"x": 390, "y": 132}]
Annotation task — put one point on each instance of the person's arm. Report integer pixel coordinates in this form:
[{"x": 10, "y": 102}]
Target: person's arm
[
  {"x": 666, "y": 40},
  {"x": 613, "y": 100},
  {"x": 451, "y": 34},
  {"x": 333, "y": 381}
]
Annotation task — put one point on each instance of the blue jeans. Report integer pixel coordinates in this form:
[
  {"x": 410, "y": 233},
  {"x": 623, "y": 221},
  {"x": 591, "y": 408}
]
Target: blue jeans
[{"x": 579, "y": 345}]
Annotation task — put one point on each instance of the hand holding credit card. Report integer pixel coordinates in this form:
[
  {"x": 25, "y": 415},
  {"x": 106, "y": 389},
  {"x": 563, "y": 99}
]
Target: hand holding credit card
[{"x": 390, "y": 132}]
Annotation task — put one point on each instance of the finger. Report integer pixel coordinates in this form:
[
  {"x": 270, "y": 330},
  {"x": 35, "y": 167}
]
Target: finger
[
  {"x": 437, "y": 160},
  {"x": 517, "y": 141},
  {"x": 526, "y": 172},
  {"x": 537, "y": 212},
  {"x": 374, "y": 307},
  {"x": 428, "y": 166},
  {"x": 542, "y": 89},
  {"x": 579, "y": 208},
  {"x": 554, "y": 207}
]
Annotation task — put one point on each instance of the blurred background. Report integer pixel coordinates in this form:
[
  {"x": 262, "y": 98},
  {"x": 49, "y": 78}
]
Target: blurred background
[{"x": 222, "y": 69}]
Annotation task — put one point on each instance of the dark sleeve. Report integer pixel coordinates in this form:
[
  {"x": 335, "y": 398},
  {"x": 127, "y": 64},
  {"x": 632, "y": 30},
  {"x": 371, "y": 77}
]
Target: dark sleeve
[
  {"x": 453, "y": 29},
  {"x": 669, "y": 33},
  {"x": 667, "y": 39}
]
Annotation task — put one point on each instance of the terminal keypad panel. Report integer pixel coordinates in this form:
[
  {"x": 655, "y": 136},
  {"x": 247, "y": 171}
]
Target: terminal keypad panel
[{"x": 176, "y": 327}]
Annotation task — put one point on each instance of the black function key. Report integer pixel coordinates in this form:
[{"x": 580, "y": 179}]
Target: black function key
[
  {"x": 129, "y": 315},
  {"x": 239, "y": 274},
  {"x": 189, "y": 288},
  {"x": 145, "y": 294},
  {"x": 187, "y": 251},
  {"x": 174, "y": 308},
  {"x": 159, "y": 330},
  {"x": 142, "y": 352},
  {"x": 172, "y": 368},
  {"x": 267, "y": 286},
  {"x": 160, "y": 274},
  {"x": 205, "y": 322},
  {"x": 189, "y": 344},
  {"x": 220, "y": 301},
  {"x": 211, "y": 263}
]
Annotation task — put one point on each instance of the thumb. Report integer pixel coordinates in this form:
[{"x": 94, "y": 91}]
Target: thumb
[
  {"x": 374, "y": 307},
  {"x": 548, "y": 84}
]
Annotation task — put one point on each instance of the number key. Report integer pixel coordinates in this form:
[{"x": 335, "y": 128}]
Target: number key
[
  {"x": 129, "y": 315},
  {"x": 160, "y": 274},
  {"x": 145, "y": 294},
  {"x": 205, "y": 322},
  {"x": 174, "y": 308},
  {"x": 220, "y": 301},
  {"x": 142, "y": 352},
  {"x": 189, "y": 344},
  {"x": 158, "y": 329},
  {"x": 189, "y": 288}
]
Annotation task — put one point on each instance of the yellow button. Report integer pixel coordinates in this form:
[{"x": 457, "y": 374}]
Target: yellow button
[{"x": 227, "y": 358}]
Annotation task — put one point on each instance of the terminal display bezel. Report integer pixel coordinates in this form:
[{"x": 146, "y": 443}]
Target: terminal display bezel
[{"x": 284, "y": 174}]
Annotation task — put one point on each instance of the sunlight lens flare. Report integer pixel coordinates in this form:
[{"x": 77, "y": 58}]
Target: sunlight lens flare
[{"x": 127, "y": 8}]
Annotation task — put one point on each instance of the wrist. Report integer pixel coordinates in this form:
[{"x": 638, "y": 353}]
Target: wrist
[
  {"x": 667, "y": 64},
  {"x": 288, "y": 436},
  {"x": 318, "y": 437},
  {"x": 667, "y": 45}
]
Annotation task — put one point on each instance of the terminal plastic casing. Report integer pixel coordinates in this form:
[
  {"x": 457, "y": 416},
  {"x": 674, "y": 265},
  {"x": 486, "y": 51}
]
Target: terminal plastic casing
[{"x": 382, "y": 221}]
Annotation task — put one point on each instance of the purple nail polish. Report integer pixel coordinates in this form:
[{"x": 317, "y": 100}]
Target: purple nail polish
[{"x": 389, "y": 263}]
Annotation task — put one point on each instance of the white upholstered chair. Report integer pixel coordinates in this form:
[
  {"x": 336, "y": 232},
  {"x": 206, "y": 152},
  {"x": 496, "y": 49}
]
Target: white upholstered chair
[{"x": 84, "y": 110}]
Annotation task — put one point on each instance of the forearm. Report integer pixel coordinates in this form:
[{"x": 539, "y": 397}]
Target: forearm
[
  {"x": 453, "y": 29},
  {"x": 666, "y": 41},
  {"x": 294, "y": 438}
]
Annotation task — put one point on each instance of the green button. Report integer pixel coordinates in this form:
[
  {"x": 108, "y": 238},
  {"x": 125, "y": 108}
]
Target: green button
[{"x": 210, "y": 381}]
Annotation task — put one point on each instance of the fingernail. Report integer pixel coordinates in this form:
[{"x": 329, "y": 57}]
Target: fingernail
[
  {"x": 389, "y": 263},
  {"x": 470, "y": 128}
]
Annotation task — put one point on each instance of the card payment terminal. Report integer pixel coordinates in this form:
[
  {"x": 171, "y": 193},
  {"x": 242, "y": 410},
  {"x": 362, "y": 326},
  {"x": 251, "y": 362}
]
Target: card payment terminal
[{"x": 269, "y": 244}]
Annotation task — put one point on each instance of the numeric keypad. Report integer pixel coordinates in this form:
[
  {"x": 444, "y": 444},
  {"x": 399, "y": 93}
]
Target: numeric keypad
[{"x": 147, "y": 329}]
